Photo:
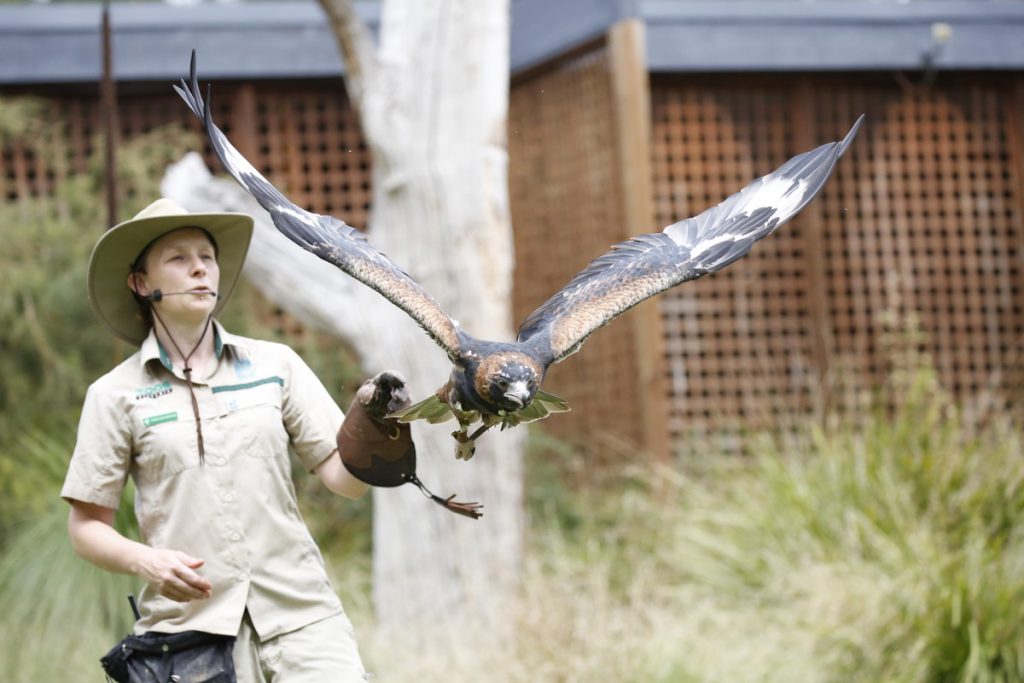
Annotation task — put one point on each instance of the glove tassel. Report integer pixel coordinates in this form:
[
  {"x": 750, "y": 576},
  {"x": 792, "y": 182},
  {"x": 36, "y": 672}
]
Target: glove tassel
[{"x": 471, "y": 510}]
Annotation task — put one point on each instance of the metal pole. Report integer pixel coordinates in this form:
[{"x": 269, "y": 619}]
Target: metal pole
[
  {"x": 108, "y": 107},
  {"x": 108, "y": 112}
]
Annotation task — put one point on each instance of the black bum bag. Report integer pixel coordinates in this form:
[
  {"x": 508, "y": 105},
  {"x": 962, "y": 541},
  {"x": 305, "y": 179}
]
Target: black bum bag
[{"x": 187, "y": 657}]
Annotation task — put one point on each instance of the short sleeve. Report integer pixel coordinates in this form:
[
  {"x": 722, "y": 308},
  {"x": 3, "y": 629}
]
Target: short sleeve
[
  {"x": 311, "y": 416},
  {"x": 102, "y": 456}
]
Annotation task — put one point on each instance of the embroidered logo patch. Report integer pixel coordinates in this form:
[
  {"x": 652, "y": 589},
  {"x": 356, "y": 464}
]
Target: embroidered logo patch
[
  {"x": 243, "y": 368},
  {"x": 153, "y": 390},
  {"x": 159, "y": 419}
]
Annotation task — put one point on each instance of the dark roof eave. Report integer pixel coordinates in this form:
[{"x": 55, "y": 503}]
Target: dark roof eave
[
  {"x": 840, "y": 35},
  {"x": 61, "y": 43}
]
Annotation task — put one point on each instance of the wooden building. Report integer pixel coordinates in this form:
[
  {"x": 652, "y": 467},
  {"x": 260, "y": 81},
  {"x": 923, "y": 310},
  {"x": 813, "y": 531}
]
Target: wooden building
[{"x": 628, "y": 116}]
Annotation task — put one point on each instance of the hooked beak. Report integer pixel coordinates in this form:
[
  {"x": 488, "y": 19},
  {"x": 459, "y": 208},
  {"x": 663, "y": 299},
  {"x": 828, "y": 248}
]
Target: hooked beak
[{"x": 518, "y": 393}]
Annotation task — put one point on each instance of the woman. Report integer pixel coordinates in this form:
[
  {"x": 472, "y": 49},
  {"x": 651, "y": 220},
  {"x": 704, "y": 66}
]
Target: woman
[{"x": 202, "y": 420}]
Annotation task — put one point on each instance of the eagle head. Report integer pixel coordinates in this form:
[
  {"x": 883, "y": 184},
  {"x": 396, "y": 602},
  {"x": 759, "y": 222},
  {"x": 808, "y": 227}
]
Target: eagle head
[{"x": 507, "y": 380}]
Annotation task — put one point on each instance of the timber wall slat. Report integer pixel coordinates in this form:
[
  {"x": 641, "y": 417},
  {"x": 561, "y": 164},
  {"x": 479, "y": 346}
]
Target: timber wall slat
[
  {"x": 567, "y": 210},
  {"x": 920, "y": 224}
]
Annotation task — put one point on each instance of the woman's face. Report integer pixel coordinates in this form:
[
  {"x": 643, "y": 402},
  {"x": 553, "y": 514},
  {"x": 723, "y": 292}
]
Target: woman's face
[{"x": 183, "y": 265}]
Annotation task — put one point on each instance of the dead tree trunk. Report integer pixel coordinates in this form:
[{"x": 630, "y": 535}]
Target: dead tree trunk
[{"x": 433, "y": 100}]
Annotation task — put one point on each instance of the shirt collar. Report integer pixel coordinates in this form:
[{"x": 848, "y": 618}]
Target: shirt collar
[
  {"x": 152, "y": 349},
  {"x": 222, "y": 339}
]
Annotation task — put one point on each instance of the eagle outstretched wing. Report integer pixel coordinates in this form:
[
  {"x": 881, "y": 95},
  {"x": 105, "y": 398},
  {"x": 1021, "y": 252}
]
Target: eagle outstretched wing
[
  {"x": 325, "y": 236},
  {"x": 645, "y": 265}
]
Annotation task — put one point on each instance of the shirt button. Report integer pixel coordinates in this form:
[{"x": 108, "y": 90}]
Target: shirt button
[
  {"x": 242, "y": 576},
  {"x": 236, "y": 537},
  {"x": 219, "y": 461},
  {"x": 228, "y": 497}
]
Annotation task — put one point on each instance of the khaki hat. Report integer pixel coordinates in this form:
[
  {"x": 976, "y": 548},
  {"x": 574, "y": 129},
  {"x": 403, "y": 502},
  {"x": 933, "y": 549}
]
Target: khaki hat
[{"x": 116, "y": 251}]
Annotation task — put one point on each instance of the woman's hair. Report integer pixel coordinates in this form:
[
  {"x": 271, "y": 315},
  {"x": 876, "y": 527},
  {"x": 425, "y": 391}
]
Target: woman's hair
[{"x": 139, "y": 266}]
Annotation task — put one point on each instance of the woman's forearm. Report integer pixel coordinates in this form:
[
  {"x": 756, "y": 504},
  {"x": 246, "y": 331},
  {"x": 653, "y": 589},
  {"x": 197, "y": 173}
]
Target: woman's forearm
[
  {"x": 172, "y": 573},
  {"x": 94, "y": 538}
]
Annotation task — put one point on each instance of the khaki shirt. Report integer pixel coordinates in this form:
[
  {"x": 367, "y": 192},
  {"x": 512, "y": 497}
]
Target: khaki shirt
[{"x": 237, "y": 511}]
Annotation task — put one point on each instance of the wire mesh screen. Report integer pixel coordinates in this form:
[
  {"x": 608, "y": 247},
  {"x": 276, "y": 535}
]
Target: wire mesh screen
[
  {"x": 737, "y": 349},
  {"x": 304, "y": 137},
  {"x": 567, "y": 210},
  {"x": 310, "y": 142},
  {"x": 915, "y": 243},
  {"x": 934, "y": 235}
]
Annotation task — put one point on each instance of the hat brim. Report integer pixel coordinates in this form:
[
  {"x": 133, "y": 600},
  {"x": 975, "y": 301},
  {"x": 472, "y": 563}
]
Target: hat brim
[{"x": 116, "y": 250}]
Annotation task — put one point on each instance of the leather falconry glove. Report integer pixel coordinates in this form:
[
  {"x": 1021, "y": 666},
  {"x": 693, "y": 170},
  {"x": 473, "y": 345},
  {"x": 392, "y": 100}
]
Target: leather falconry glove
[{"x": 379, "y": 450}]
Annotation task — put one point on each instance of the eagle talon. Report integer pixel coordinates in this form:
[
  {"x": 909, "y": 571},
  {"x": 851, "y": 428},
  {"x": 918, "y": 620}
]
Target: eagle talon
[
  {"x": 465, "y": 450},
  {"x": 467, "y": 444}
]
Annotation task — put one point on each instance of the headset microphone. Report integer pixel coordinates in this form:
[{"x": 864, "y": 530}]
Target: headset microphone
[{"x": 158, "y": 295}]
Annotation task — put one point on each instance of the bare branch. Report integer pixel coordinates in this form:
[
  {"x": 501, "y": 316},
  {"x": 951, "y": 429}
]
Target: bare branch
[
  {"x": 356, "y": 46},
  {"x": 316, "y": 292}
]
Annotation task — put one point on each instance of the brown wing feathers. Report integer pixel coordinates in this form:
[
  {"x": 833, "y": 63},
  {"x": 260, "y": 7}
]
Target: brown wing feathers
[
  {"x": 325, "y": 236},
  {"x": 649, "y": 264}
]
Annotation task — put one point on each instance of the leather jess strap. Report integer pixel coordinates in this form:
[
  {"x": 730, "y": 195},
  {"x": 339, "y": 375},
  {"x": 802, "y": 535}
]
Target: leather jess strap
[{"x": 379, "y": 451}]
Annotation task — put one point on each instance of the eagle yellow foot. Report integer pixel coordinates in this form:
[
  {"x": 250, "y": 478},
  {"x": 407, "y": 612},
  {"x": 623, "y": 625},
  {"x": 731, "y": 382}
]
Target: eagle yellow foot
[{"x": 466, "y": 445}]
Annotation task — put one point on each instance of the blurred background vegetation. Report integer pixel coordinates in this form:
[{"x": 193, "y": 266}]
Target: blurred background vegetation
[{"x": 885, "y": 550}]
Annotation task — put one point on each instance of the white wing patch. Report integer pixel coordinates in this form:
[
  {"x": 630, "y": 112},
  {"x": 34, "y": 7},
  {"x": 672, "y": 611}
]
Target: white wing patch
[
  {"x": 782, "y": 193},
  {"x": 235, "y": 159},
  {"x": 706, "y": 245},
  {"x": 299, "y": 215}
]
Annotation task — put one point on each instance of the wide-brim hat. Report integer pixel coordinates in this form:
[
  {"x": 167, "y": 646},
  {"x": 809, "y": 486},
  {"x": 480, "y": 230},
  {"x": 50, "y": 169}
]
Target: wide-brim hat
[{"x": 116, "y": 251}]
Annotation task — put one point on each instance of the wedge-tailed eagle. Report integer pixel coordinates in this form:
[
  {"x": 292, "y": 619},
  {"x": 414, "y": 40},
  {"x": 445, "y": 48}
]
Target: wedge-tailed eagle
[{"x": 498, "y": 383}]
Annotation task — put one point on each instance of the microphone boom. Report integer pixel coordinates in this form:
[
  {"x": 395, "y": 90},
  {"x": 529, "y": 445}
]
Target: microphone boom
[{"x": 158, "y": 295}]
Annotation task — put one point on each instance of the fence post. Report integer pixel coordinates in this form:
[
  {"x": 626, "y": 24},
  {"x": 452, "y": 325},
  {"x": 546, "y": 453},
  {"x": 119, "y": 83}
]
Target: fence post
[
  {"x": 243, "y": 122},
  {"x": 111, "y": 125},
  {"x": 631, "y": 102},
  {"x": 1014, "y": 108}
]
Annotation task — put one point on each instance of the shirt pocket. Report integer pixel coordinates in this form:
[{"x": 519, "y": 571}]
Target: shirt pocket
[
  {"x": 167, "y": 442},
  {"x": 254, "y": 414}
]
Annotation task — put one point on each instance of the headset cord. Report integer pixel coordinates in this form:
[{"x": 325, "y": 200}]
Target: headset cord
[{"x": 187, "y": 369}]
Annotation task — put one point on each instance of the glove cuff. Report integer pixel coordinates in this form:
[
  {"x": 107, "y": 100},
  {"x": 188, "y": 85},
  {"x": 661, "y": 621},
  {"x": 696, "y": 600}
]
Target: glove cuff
[{"x": 377, "y": 452}]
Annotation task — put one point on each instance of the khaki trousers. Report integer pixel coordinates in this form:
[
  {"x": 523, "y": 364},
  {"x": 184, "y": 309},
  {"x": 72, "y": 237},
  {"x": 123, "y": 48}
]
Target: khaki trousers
[{"x": 322, "y": 652}]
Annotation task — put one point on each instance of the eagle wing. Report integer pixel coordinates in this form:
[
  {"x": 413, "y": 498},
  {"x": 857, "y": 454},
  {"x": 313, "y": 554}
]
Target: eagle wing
[
  {"x": 542, "y": 405},
  {"x": 646, "y": 265},
  {"x": 432, "y": 409},
  {"x": 325, "y": 236}
]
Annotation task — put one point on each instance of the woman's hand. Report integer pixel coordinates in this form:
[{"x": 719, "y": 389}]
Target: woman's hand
[{"x": 172, "y": 574}]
